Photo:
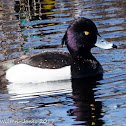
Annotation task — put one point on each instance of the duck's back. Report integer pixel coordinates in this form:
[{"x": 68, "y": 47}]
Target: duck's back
[{"x": 51, "y": 60}]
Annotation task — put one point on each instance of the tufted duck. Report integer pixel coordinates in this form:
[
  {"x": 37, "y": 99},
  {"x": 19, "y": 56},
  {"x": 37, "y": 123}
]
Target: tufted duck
[{"x": 80, "y": 37}]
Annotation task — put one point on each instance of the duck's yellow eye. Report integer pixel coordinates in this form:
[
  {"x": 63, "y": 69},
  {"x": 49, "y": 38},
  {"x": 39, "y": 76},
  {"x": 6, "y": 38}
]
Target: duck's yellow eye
[{"x": 86, "y": 33}]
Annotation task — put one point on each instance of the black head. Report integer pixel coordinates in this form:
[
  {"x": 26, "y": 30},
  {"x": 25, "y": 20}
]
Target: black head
[{"x": 80, "y": 37}]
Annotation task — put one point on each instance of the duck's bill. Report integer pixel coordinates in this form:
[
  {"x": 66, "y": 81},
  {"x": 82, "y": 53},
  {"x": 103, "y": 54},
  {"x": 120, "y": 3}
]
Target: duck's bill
[{"x": 102, "y": 43}]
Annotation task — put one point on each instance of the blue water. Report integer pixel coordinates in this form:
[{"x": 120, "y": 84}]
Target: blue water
[{"x": 25, "y": 25}]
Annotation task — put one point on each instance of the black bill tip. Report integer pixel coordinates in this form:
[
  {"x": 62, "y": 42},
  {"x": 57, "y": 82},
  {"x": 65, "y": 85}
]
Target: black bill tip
[{"x": 114, "y": 46}]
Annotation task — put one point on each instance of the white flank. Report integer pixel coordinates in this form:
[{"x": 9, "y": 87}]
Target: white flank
[{"x": 23, "y": 73}]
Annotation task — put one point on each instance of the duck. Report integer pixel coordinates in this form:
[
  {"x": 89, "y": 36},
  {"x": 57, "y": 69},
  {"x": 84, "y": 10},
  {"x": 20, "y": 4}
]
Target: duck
[{"x": 78, "y": 62}]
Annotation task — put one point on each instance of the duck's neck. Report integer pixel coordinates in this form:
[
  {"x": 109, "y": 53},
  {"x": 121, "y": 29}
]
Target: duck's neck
[
  {"x": 84, "y": 65},
  {"x": 82, "y": 55}
]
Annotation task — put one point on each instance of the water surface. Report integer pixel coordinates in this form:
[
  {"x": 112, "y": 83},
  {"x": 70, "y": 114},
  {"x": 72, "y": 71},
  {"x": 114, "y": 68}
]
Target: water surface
[{"x": 25, "y": 25}]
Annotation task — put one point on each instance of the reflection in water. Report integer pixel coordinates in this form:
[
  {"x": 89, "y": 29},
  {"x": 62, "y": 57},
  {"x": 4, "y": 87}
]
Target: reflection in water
[
  {"x": 87, "y": 109},
  {"x": 34, "y": 16},
  {"x": 10, "y": 35},
  {"x": 30, "y": 10},
  {"x": 84, "y": 108},
  {"x": 38, "y": 22},
  {"x": 17, "y": 91}
]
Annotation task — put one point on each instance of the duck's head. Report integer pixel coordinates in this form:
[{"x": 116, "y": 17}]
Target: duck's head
[{"x": 81, "y": 36}]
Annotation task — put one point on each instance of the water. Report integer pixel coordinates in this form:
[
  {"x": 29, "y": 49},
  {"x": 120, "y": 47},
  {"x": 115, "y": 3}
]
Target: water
[{"x": 25, "y": 25}]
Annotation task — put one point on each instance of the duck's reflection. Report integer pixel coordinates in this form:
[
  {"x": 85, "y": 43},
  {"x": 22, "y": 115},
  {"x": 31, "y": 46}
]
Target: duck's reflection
[{"x": 87, "y": 109}]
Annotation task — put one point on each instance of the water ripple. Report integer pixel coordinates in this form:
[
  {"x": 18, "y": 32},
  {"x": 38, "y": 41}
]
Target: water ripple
[{"x": 27, "y": 24}]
